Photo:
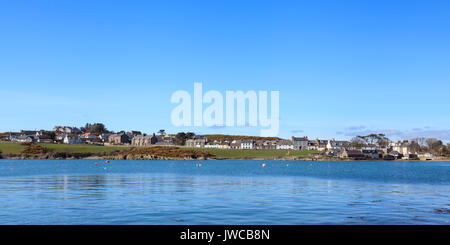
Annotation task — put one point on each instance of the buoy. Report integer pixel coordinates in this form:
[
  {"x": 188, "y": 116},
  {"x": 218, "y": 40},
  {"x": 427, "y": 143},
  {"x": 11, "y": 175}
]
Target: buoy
[
  {"x": 263, "y": 165},
  {"x": 200, "y": 165},
  {"x": 96, "y": 163},
  {"x": 107, "y": 161}
]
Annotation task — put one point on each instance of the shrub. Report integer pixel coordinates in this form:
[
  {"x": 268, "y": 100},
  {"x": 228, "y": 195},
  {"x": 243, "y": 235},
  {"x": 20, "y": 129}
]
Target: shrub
[
  {"x": 35, "y": 149},
  {"x": 163, "y": 151}
]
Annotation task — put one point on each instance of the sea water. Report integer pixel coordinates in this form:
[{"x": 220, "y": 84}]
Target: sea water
[{"x": 223, "y": 192}]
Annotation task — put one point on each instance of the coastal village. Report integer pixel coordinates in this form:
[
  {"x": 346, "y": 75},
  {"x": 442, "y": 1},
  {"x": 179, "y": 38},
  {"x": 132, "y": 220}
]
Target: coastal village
[{"x": 369, "y": 147}]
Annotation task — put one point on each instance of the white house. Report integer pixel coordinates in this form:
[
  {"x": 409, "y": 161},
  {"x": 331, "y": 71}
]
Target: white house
[
  {"x": 285, "y": 145},
  {"x": 317, "y": 145},
  {"x": 21, "y": 139},
  {"x": 72, "y": 140},
  {"x": 335, "y": 144},
  {"x": 401, "y": 147},
  {"x": 213, "y": 145},
  {"x": 247, "y": 144}
]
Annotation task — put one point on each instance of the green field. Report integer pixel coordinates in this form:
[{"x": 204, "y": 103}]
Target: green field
[
  {"x": 16, "y": 148},
  {"x": 236, "y": 154}
]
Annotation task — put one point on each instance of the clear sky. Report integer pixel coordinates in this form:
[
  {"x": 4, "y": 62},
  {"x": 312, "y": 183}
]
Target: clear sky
[{"x": 342, "y": 67}]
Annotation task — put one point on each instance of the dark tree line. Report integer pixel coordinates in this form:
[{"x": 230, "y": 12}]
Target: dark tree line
[
  {"x": 96, "y": 128},
  {"x": 379, "y": 140},
  {"x": 180, "y": 138},
  {"x": 435, "y": 146}
]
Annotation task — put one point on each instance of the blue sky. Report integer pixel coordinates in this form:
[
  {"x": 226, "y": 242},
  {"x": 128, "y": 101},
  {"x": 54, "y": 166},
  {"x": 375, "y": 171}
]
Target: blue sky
[{"x": 342, "y": 67}]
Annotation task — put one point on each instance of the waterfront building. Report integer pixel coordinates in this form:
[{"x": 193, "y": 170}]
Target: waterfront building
[
  {"x": 247, "y": 144},
  {"x": 335, "y": 144},
  {"x": 300, "y": 143},
  {"x": 196, "y": 142},
  {"x": 402, "y": 147},
  {"x": 72, "y": 140},
  {"x": 235, "y": 144},
  {"x": 144, "y": 140},
  {"x": 119, "y": 139},
  {"x": 355, "y": 154},
  {"x": 285, "y": 145},
  {"x": 22, "y": 139},
  {"x": 317, "y": 145}
]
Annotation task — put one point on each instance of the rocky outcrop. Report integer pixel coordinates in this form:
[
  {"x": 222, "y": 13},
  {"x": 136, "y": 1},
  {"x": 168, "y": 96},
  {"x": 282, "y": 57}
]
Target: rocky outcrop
[
  {"x": 152, "y": 157},
  {"x": 56, "y": 155}
]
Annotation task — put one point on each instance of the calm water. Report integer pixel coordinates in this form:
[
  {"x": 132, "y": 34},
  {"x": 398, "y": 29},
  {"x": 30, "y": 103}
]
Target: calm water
[{"x": 223, "y": 192}]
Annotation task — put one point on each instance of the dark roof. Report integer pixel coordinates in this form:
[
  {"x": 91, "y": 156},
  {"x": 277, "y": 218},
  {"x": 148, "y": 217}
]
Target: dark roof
[
  {"x": 300, "y": 138},
  {"x": 370, "y": 151}
]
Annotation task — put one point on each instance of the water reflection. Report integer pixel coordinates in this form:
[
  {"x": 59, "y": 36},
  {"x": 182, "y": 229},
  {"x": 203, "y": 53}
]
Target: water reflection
[{"x": 124, "y": 196}]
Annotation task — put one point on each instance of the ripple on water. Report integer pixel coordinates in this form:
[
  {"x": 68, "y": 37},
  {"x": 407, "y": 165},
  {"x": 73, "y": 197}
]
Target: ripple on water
[{"x": 223, "y": 192}]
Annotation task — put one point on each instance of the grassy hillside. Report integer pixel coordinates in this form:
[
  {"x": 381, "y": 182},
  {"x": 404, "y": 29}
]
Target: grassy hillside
[
  {"x": 16, "y": 148},
  {"x": 232, "y": 153}
]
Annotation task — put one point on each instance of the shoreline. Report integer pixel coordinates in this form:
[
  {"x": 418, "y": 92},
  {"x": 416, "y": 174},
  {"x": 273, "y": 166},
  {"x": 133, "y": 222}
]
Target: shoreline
[
  {"x": 38, "y": 157},
  {"x": 73, "y": 152}
]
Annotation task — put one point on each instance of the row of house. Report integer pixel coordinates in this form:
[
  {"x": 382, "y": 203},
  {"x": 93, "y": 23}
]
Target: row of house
[
  {"x": 296, "y": 143},
  {"x": 138, "y": 139},
  {"x": 343, "y": 149},
  {"x": 394, "y": 150},
  {"x": 73, "y": 135},
  {"x": 29, "y": 136}
]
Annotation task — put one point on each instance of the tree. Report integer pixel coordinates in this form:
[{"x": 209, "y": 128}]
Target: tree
[
  {"x": 434, "y": 145},
  {"x": 180, "y": 139},
  {"x": 422, "y": 141},
  {"x": 357, "y": 142},
  {"x": 369, "y": 139},
  {"x": 96, "y": 128},
  {"x": 52, "y": 135},
  {"x": 382, "y": 141},
  {"x": 162, "y": 132},
  {"x": 376, "y": 139},
  {"x": 446, "y": 151},
  {"x": 190, "y": 135},
  {"x": 414, "y": 146}
]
